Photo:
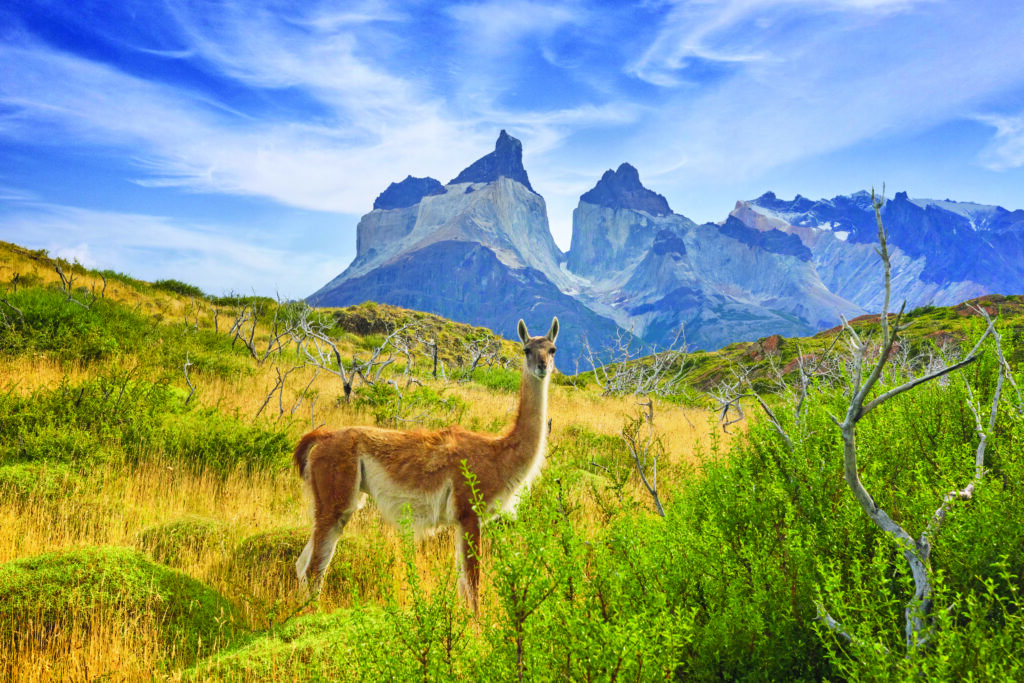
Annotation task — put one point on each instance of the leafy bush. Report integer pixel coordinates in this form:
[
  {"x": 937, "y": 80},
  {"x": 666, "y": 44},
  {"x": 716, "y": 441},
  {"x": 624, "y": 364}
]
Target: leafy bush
[
  {"x": 241, "y": 300},
  {"x": 117, "y": 419},
  {"x": 498, "y": 379},
  {"x": 204, "y": 439},
  {"x": 70, "y": 332},
  {"x": 36, "y": 479},
  {"x": 300, "y": 649},
  {"x": 179, "y": 287}
]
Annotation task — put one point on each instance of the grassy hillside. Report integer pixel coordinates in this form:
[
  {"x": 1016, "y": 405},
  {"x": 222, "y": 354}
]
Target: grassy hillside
[{"x": 149, "y": 518}]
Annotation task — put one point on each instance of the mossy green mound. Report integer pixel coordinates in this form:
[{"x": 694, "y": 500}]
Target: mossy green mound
[
  {"x": 55, "y": 590},
  {"x": 46, "y": 481},
  {"x": 314, "y": 647},
  {"x": 181, "y": 541}
]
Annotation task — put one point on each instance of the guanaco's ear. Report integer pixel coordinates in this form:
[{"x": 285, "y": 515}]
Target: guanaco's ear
[
  {"x": 524, "y": 335},
  {"x": 553, "y": 332}
]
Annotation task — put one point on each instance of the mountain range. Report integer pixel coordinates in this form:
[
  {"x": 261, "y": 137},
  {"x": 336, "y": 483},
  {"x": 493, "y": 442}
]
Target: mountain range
[{"x": 479, "y": 250}]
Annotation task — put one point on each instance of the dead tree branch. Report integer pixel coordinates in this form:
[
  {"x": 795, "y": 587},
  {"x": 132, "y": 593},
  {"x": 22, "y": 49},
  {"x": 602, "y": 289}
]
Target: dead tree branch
[
  {"x": 481, "y": 349},
  {"x": 624, "y": 369},
  {"x": 191, "y": 389},
  {"x": 67, "y": 283},
  {"x": 282, "y": 327},
  {"x": 645, "y": 450},
  {"x": 278, "y": 389},
  {"x": 916, "y": 552}
]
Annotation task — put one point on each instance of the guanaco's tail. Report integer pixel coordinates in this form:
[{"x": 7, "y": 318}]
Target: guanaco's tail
[{"x": 301, "y": 455}]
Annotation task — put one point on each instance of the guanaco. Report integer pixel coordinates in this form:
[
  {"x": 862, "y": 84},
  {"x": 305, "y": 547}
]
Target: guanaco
[{"x": 424, "y": 470}]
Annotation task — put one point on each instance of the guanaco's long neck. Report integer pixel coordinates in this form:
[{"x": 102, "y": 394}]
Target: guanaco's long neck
[{"x": 530, "y": 430}]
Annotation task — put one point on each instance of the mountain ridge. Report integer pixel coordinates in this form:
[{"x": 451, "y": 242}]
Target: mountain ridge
[{"x": 772, "y": 266}]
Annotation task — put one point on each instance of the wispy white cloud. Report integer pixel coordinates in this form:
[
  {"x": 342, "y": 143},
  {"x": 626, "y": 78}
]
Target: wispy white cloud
[
  {"x": 1006, "y": 150},
  {"x": 741, "y": 31},
  {"x": 823, "y": 84},
  {"x": 497, "y": 27},
  {"x": 178, "y": 138},
  {"x": 337, "y": 101}
]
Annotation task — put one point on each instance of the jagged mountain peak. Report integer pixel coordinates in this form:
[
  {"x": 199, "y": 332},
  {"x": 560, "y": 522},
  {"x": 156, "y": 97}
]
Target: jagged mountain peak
[
  {"x": 506, "y": 160},
  {"x": 622, "y": 189},
  {"x": 407, "y": 193}
]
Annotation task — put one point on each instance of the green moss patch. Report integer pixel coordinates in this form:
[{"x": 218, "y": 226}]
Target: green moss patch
[
  {"x": 57, "y": 589},
  {"x": 313, "y": 647},
  {"x": 180, "y": 541}
]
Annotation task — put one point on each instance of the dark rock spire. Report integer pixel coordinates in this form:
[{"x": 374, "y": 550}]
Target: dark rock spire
[
  {"x": 506, "y": 160},
  {"x": 622, "y": 189}
]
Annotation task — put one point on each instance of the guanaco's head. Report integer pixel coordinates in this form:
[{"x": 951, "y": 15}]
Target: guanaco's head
[{"x": 540, "y": 351}]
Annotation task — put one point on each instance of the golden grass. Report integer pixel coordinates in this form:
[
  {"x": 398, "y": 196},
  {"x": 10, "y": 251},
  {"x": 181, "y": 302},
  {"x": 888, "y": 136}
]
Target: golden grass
[{"x": 91, "y": 646}]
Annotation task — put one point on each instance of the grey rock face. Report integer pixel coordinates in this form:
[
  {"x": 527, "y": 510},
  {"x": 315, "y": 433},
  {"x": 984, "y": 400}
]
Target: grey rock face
[
  {"x": 943, "y": 252},
  {"x": 610, "y": 241},
  {"x": 467, "y": 282}
]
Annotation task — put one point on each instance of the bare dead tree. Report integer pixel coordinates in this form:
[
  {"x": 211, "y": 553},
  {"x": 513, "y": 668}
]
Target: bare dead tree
[
  {"x": 404, "y": 343},
  {"x": 866, "y": 375},
  {"x": 103, "y": 292},
  {"x": 370, "y": 370},
  {"x": 191, "y": 389},
  {"x": 645, "y": 450},
  {"x": 623, "y": 368},
  {"x": 12, "y": 307},
  {"x": 481, "y": 349},
  {"x": 322, "y": 352},
  {"x": 278, "y": 389},
  {"x": 314, "y": 343},
  {"x": 67, "y": 283},
  {"x": 191, "y": 316},
  {"x": 282, "y": 329},
  {"x": 430, "y": 348},
  {"x": 811, "y": 371}
]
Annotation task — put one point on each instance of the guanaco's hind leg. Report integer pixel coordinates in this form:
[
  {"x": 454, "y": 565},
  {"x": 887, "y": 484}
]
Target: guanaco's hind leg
[
  {"x": 335, "y": 497},
  {"x": 312, "y": 563},
  {"x": 467, "y": 550}
]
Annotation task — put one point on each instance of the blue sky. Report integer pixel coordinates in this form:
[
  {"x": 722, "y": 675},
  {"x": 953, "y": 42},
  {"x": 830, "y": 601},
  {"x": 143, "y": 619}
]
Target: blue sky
[{"x": 235, "y": 144}]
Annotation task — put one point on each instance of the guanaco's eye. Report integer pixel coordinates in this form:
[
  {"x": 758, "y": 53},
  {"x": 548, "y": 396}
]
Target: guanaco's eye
[
  {"x": 553, "y": 349},
  {"x": 526, "y": 351}
]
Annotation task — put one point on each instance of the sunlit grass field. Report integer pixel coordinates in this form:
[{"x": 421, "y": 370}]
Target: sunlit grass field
[{"x": 239, "y": 532}]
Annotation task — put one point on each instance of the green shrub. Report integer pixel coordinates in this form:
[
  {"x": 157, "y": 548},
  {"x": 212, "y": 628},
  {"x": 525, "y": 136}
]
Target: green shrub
[
  {"x": 179, "y": 287},
  {"x": 346, "y": 645},
  {"x": 56, "y": 590},
  {"x": 204, "y": 439},
  {"x": 392, "y": 407},
  {"x": 47, "y": 481},
  {"x": 498, "y": 379},
  {"x": 68, "y": 331},
  {"x": 237, "y": 300},
  {"x": 116, "y": 419}
]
